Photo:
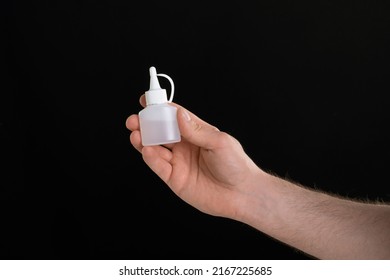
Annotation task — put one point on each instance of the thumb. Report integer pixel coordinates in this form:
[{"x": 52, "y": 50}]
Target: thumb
[{"x": 196, "y": 131}]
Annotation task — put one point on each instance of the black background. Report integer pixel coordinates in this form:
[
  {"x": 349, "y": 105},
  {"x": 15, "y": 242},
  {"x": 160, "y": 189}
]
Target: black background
[{"x": 303, "y": 85}]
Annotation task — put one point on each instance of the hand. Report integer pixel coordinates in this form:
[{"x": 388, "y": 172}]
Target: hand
[{"x": 208, "y": 169}]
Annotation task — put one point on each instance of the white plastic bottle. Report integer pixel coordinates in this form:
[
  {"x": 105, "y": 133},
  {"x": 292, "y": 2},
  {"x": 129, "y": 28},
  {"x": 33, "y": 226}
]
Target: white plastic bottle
[{"x": 158, "y": 120}]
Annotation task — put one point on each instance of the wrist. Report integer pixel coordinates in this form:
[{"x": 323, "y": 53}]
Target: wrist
[{"x": 255, "y": 200}]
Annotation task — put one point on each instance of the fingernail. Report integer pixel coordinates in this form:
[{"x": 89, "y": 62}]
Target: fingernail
[{"x": 186, "y": 115}]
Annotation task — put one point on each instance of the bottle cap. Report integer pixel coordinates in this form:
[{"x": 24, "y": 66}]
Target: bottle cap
[{"x": 155, "y": 94}]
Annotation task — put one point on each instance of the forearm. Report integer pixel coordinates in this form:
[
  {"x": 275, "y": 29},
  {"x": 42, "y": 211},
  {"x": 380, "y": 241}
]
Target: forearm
[{"x": 319, "y": 224}]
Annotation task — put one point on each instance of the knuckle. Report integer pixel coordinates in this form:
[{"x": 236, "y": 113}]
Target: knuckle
[{"x": 224, "y": 139}]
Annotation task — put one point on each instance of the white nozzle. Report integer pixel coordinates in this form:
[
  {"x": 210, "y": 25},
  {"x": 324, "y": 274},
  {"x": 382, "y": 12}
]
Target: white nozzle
[
  {"x": 154, "y": 84},
  {"x": 155, "y": 94},
  {"x": 152, "y": 71}
]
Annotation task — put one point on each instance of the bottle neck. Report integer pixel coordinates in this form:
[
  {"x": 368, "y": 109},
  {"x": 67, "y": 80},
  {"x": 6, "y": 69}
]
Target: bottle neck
[{"x": 158, "y": 104}]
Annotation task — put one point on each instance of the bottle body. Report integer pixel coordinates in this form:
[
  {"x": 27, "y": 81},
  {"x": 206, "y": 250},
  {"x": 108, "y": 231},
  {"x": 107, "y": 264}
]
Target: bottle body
[{"x": 158, "y": 125}]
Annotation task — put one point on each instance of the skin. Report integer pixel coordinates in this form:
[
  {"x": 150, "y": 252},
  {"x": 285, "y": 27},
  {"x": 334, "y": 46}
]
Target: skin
[{"x": 210, "y": 170}]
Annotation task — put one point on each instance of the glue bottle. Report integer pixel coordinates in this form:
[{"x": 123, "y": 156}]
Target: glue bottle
[{"x": 158, "y": 120}]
